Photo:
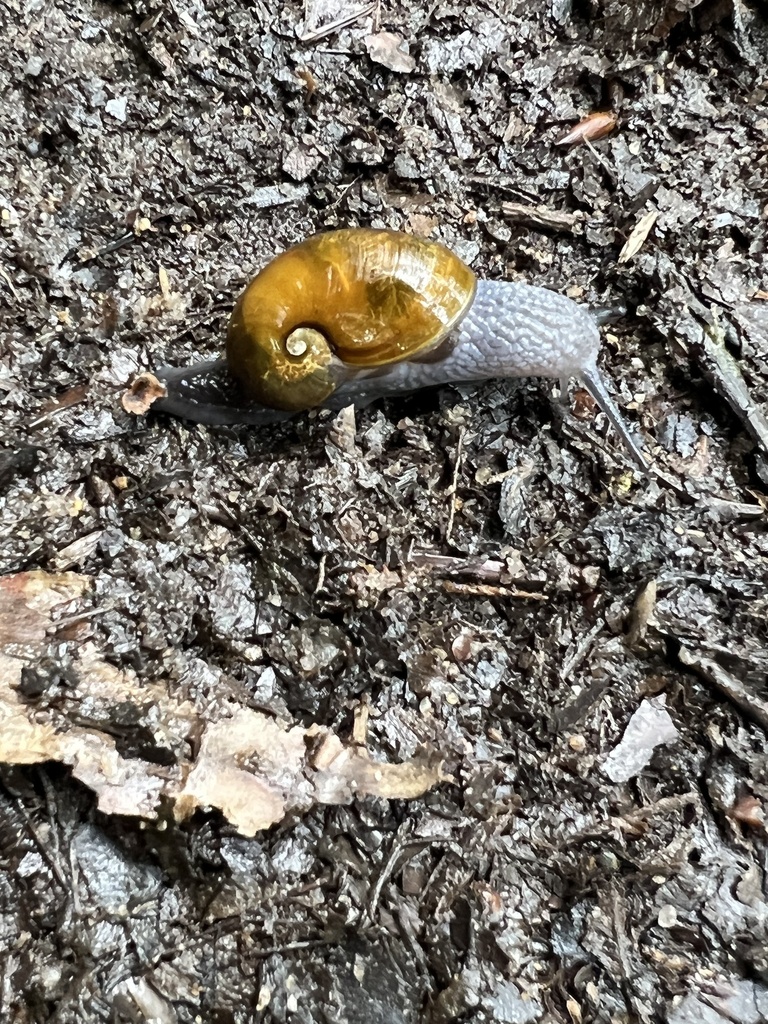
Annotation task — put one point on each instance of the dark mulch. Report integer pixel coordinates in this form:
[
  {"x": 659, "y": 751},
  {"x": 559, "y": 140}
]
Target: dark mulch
[{"x": 153, "y": 159}]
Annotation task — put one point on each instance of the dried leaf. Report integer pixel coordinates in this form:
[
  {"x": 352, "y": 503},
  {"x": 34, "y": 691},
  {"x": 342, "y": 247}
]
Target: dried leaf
[
  {"x": 78, "y": 551},
  {"x": 27, "y": 603},
  {"x": 749, "y": 811},
  {"x": 314, "y": 30},
  {"x": 638, "y": 235},
  {"x": 642, "y": 612},
  {"x": 247, "y": 764},
  {"x": 250, "y": 767},
  {"x": 144, "y": 390},
  {"x": 540, "y": 216},
  {"x": 589, "y": 129},
  {"x": 346, "y": 771},
  {"x": 391, "y": 50},
  {"x": 69, "y": 398}
]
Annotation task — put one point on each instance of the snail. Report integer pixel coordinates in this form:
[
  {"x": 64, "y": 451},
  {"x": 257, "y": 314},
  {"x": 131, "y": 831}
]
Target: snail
[{"x": 352, "y": 315}]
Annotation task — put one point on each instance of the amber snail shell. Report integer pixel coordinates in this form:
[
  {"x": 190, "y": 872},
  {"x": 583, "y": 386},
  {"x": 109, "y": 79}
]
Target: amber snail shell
[{"x": 351, "y": 298}]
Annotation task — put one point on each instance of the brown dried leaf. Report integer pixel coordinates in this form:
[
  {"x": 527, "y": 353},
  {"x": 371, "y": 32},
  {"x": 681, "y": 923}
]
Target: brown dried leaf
[
  {"x": 70, "y": 397},
  {"x": 126, "y": 786},
  {"x": 584, "y": 405},
  {"x": 144, "y": 390},
  {"x": 27, "y": 603},
  {"x": 589, "y": 129},
  {"x": 121, "y": 785},
  {"x": 749, "y": 811}
]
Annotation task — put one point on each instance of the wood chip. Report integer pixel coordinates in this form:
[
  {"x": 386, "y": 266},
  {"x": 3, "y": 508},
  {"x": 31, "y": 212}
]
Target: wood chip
[
  {"x": 638, "y": 235},
  {"x": 311, "y": 35},
  {"x": 483, "y": 590},
  {"x": 642, "y": 612},
  {"x": 538, "y": 216}
]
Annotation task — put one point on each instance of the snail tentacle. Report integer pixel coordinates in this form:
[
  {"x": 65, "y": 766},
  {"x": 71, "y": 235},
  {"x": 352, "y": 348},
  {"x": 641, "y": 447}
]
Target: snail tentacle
[
  {"x": 208, "y": 393},
  {"x": 594, "y": 383}
]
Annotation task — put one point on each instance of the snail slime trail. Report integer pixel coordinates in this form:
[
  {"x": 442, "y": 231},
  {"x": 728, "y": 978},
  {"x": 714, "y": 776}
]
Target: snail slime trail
[{"x": 349, "y": 316}]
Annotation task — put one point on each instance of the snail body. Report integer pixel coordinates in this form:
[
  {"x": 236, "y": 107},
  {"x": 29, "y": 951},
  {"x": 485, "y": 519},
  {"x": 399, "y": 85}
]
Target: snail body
[{"x": 348, "y": 316}]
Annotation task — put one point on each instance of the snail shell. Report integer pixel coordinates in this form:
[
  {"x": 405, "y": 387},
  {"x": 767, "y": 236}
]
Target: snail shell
[{"x": 339, "y": 301}]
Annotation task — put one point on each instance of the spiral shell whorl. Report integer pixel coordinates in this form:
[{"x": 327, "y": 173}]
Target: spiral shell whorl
[{"x": 343, "y": 300}]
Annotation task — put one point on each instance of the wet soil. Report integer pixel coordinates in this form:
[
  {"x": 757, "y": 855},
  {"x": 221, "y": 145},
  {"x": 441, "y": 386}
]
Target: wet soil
[{"x": 475, "y": 574}]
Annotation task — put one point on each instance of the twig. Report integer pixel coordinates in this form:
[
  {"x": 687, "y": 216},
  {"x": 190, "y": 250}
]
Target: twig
[
  {"x": 727, "y": 684},
  {"x": 9, "y": 282},
  {"x": 333, "y": 26},
  {"x": 454, "y": 485},
  {"x": 320, "y": 574},
  {"x": 581, "y": 651},
  {"x": 483, "y": 590}
]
